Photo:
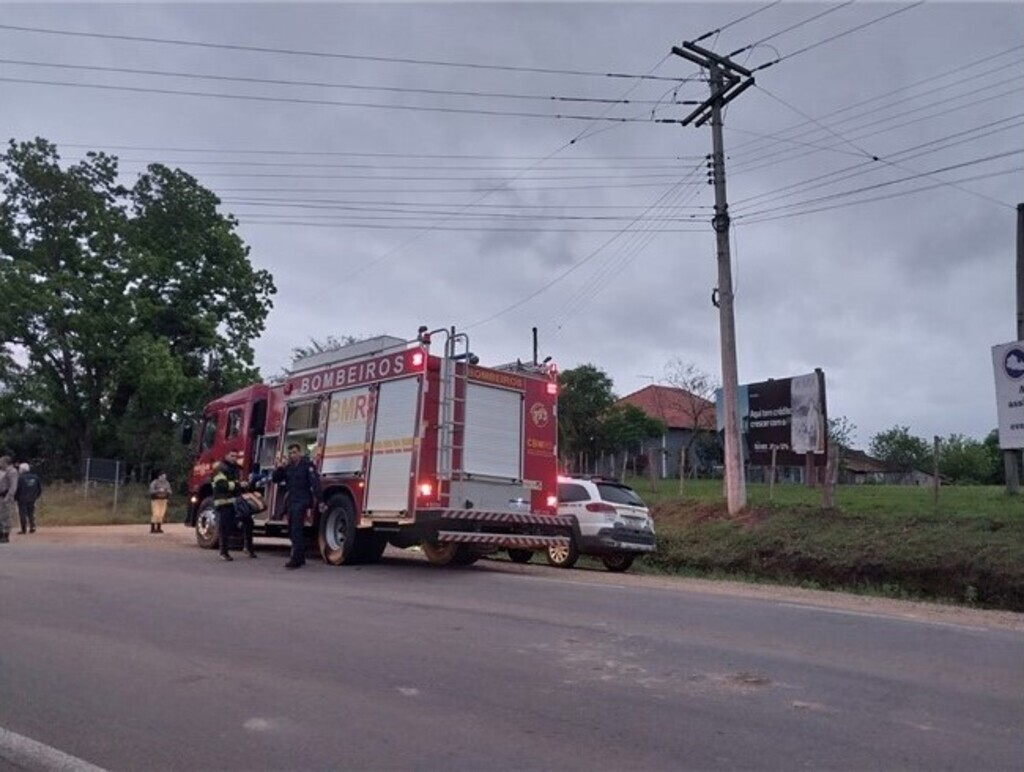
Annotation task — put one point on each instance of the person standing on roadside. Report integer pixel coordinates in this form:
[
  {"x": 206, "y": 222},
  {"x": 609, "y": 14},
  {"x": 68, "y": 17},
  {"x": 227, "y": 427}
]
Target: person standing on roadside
[
  {"x": 30, "y": 488},
  {"x": 8, "y": 488},
  {"x": 303, "y": 485},
  {"x": 159, "y": 493},
  {"x": 226, "y": 487}
]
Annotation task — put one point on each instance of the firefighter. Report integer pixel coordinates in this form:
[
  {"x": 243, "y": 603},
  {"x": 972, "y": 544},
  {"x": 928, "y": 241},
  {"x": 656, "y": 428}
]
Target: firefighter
[
  {"x": 303, "y": 484},
  {"x": 226, "y": 487}
]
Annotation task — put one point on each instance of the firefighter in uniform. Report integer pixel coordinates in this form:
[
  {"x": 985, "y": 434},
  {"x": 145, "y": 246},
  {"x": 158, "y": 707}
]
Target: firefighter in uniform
[
  {"x": 226, "y": 487},
  {"x": 303, "y": 484}
]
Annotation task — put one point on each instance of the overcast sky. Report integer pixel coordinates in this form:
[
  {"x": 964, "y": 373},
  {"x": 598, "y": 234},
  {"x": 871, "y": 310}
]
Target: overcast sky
[{"x": 402, "y": 164}]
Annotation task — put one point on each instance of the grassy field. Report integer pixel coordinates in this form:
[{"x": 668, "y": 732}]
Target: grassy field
[
  {"x": 879, "y": 539},
  {"x": 886, "y": 540},
  {"x": 71, "y": 504}
]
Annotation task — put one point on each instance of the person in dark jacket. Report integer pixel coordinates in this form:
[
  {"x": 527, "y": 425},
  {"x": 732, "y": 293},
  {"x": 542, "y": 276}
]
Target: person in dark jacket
[
  {"x": 303, "y": 484},
  {"x": 30, "y": 488},
  {"x": 226, "y": 487}
]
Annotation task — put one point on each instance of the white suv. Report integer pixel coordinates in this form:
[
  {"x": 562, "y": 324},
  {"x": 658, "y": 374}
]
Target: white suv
[{"x": 614, "y": 523}]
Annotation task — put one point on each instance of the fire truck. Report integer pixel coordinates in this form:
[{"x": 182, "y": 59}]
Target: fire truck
[{"x": 413, "y": 448}]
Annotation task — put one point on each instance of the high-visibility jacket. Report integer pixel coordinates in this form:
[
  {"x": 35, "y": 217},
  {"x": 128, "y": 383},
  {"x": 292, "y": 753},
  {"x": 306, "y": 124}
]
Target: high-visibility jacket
[{"x": 225, "y": 484}]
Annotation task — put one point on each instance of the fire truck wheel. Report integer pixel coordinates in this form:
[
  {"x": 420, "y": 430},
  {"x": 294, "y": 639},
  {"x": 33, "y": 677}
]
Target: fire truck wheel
[
  {"x": 449, "y": 554},
  {"x": 336, "y": 531},
  {"x": 206, "y": 525},
  {"x": 520, "y": 556},
  {"x": 563, "y": 556},
  {"x": 617, "y": 563}
]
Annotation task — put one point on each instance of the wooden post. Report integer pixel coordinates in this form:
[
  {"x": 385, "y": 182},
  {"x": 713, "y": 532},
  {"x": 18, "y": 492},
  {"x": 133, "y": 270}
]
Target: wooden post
[
  {"x": 935, "y": 473},
  {"x": 771, "y": 480},
  {"x": 810, "y": 473},
  {"x": 828, "y": 493}
]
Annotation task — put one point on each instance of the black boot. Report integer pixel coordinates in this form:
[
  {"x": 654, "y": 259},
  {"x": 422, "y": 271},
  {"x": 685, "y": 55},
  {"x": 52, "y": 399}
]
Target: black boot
[
  {"x": 159, "y": 527},
  {"x": 226, "y": 556},
  {"x": 152, "y": 527}
]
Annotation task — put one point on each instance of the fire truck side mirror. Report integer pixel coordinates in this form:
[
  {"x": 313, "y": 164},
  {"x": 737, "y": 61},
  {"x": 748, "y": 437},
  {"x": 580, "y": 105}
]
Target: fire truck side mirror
[{"x": 185, "y": 433}]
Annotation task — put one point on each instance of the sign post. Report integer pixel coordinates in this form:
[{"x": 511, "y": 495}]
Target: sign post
[{"x": 1008, "y": 365}]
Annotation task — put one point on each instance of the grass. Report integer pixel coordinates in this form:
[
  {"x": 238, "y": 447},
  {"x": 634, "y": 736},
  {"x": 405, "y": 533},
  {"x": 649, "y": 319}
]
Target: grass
[
  {"x": 884, "y": 540},
  {"x": 71, "y": 504}
]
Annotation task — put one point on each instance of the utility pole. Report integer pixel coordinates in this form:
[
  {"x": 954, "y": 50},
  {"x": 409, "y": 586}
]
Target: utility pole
[
  {"x": 1011, "y": 458},
  {"x": 728, "y": 80}
]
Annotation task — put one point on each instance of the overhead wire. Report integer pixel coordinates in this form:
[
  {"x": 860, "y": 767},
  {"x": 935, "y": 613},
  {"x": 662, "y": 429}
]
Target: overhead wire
[
  {"x": 753, "y": 220},
  {"x": 734, "y": 22},
  {"x": 917, "y": 175},
  {"x": 324, "y": 54},
  {"x": 326, "y": 84},
  {"x": 574, "y": 267},
  {"x": 762, "y": 41},
  {"x": 333, "y": 103},
  {"x": 837, "y": 36}
]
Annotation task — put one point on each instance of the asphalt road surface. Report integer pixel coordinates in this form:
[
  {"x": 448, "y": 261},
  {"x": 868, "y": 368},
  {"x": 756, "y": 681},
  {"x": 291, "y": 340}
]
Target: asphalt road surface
[{"x": 129, "y": 651}]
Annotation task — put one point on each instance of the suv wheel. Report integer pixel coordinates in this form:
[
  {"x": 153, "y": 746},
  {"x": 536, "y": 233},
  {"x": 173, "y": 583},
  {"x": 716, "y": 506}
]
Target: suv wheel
[
  {"x": 563, "y": 556},
  {"x": 620, "y": 562}
]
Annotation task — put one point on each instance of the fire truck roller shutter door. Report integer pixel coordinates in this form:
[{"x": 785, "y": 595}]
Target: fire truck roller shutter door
[
  {"x": 494, "y": 432},
  {"x": 389, "y": 479},
  {"x": 346, "y": 430}
]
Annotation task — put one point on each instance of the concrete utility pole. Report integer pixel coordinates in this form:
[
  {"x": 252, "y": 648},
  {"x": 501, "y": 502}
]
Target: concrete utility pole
[
  {"x": 727, "y": 83},
  {"x": 1011, "y": 458}
]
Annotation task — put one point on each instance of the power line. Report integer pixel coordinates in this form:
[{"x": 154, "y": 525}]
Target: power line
[
  {"x": 916, "y": 175},
  {"x": 334, "y": 103},
  {"x": 888, "y": 94},
  {"x": 328, "y": 84},
  {"x": 790, "y": 28},
  {"x": 744, "y": 17},
  {"x": 756, "y": 220},
  {"x": 850, "y": 31},
  {"x": 944, "y": 143},
  {"x": 575, "y": 266},
  {"x": 324, "y": 54},
  {"x": 368, "y": 154}
]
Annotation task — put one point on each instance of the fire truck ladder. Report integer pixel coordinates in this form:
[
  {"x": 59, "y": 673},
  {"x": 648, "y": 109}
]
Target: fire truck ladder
[{"x": 453, "y": 401}]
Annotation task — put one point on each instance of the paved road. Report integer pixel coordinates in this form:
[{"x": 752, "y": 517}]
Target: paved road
[{"x": 136, "y": 652}]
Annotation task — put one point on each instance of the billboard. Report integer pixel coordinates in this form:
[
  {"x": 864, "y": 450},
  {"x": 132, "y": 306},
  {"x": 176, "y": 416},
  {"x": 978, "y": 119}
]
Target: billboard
[
  {"x": 1008, "y": 363},
  {"x": 786, "y": 415}
]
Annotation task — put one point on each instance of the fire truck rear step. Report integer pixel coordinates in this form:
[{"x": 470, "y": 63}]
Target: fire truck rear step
[{"x": 508, "y": 540}]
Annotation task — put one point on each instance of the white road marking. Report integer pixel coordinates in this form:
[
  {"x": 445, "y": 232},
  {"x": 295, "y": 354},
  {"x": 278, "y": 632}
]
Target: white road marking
[
  {"x": 409, "y": 691},
  {"x": 24, "y": 753}
]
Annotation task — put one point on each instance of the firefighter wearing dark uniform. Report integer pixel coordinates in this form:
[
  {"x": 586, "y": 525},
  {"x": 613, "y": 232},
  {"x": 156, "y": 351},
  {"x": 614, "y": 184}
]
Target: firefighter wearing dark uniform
[
  {"x": 226, "y": 487},
  {"x": 303, "y": 484}
]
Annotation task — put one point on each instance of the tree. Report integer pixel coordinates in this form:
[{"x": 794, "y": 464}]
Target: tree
[
  {"x": 842, "y": 431},
  {"x": 330, "y": 343},
  {"x": 967, "y": 461},
  {"x": 995, "y": 455},
  {"x": 698, "y": 407},
  {"x": 130, "y": 306},
  {"x": 900, "y": 450},
  {"x": 585, "y": 395},
  {"x": 624, "y": 427}
]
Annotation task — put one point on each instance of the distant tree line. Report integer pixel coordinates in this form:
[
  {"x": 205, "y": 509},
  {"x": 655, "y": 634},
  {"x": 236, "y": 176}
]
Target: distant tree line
[{"x": 590, "y": 423}]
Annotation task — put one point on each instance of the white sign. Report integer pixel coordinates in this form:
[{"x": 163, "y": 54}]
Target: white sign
[{"x": 1008, "y": 362}]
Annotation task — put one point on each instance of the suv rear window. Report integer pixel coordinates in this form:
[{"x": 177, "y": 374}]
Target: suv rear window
[
  {"x": 570, "y": 492},
  {"x": 619, "y": 494}
]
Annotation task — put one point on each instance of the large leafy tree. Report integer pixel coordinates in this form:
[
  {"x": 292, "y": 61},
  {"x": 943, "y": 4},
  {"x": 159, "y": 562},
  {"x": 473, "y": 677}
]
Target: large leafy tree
[{"x": 124, "y": 307}]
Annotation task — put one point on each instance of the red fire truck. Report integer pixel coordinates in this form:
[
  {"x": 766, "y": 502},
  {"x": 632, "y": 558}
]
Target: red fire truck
[{"x": 412, "y": 448}]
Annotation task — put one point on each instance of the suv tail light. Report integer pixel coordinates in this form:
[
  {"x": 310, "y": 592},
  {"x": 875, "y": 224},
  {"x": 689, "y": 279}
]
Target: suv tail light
[{"x": 598, "y": 506}]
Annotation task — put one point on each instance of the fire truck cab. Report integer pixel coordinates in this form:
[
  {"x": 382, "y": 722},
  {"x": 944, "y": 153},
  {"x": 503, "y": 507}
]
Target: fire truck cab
[{"x": 412, "y": 447}]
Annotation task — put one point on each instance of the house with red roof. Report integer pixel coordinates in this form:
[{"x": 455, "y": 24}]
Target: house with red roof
[{"x": 689, "y": 422}]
